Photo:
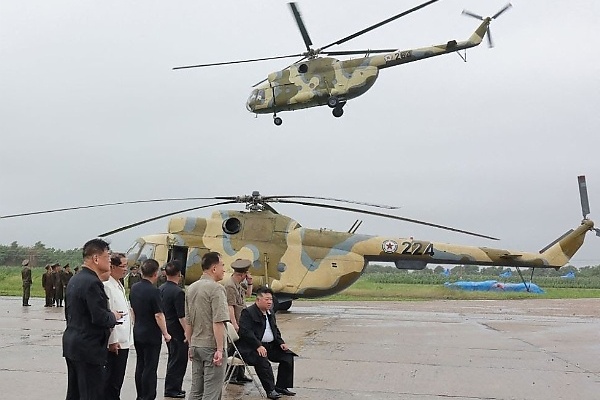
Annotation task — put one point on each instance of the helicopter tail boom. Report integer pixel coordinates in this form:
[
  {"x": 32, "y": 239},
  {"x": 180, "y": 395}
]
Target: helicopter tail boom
[
  {"x": 405, "y": 56},
  {"x": 559, "y": 252}
]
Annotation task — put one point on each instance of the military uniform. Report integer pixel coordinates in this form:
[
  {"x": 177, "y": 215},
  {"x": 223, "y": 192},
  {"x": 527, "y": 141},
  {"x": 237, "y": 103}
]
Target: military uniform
[
  {"x": 162, "y": 277},
  {"x": 236, "y": 295},
  {"x": 48, "y": 285},
  {"x": 27, "y": 281},
  {"x": 59, "y": 289},
  {"x": 134, "y": 277}
]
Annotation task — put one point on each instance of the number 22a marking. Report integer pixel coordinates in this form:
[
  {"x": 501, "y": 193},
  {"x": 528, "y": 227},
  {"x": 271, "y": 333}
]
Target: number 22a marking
[{"x": 414, "y": 248}]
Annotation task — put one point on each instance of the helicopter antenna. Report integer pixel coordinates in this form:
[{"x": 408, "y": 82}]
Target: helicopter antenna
[{"x": 355, "y": 226}]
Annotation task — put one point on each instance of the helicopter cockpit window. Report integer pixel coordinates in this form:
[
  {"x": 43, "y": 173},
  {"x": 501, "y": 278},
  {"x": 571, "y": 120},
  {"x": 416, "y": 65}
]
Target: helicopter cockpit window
[
  {"x": 147, "y": 252},
  {"x": 133, "y": 251},
  {"x": 256, "y": 97},
  {"x": 232, "y": 225},
  {"x": 302, "y": 68}
]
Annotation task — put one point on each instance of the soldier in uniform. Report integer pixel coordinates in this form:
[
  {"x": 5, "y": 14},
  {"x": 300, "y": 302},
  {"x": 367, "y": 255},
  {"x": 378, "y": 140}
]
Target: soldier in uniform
[
  {"x": 59, "y": 289},
  {"x": 236, "y": 295},
  {"x": 67, "y": 275},
  {"x": 134, "y": 277},
  {"x": 48, "y": 284},
  {"x": 27, "y": 281},
  {"x": 162, "y": 277}
]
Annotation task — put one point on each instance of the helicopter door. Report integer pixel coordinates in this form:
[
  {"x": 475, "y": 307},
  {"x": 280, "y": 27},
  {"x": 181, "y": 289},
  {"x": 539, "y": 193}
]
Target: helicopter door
[{"x": 179, "y": 253}]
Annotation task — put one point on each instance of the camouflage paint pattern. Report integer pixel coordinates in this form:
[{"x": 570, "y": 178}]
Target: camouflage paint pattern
[
  {"x": 311, "y": 82},
  {"x": 298, "y": 262}
]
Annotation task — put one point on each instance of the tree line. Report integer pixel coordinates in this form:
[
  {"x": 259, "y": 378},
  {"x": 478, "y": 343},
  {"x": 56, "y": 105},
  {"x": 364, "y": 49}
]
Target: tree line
[{"x": 38, "y": 255}]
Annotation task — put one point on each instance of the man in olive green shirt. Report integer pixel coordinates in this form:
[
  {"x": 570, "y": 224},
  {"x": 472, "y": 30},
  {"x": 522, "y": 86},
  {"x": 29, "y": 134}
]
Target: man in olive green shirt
[
  {"x": 206, "y": 312},
  {"x": 27, "y": 281}
]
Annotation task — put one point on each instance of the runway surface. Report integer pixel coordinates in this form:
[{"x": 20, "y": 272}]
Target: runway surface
[{"x": 518, "y": 349}]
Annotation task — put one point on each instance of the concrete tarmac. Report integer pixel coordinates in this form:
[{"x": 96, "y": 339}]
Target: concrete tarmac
[{"x": 461, "y": 350}]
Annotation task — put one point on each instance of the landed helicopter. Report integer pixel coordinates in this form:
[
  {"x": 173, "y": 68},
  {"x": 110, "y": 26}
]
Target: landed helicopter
[
  {"x": 315, "y": 81},
  {"x": 298, "y": 262}
]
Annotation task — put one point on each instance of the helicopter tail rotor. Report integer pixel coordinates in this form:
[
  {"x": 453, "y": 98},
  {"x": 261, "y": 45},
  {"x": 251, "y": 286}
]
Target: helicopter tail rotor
[
  {"x": 585, "y": 203},
  {"x": 479, "y": 17}
]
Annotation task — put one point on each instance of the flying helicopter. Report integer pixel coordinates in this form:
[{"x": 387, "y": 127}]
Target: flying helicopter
[
  {"x": 298, "y": 262},
  {"x": 314, "y": 80}
]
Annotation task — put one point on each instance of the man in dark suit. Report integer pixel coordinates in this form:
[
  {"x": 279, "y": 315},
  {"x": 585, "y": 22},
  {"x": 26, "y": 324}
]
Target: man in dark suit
[
  {"x": 88, "y": 325},
  {"x": 147, "y": 330},
  {"x": 260, "y": 341},
  {"x": 173, "y": 301}
]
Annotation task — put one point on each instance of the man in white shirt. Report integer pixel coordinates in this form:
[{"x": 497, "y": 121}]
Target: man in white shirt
[{"x": 121, "y": 337}]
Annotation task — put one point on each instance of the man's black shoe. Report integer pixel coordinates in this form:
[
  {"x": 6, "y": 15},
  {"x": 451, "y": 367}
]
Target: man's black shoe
[
  {"x": 285, "y": 391},
  {"x": 180, "y": 395},
  {"x": 234, "y": 381},
  {"x": 244, "y": 379},
  {"x": 273, "y": 395}
]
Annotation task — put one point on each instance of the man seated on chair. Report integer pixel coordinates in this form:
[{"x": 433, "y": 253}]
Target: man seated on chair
[{"x": 260, "y": 341}]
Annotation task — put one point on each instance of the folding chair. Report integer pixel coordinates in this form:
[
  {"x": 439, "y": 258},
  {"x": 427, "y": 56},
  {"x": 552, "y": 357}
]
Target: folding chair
[{"x": 236, "y": 360}]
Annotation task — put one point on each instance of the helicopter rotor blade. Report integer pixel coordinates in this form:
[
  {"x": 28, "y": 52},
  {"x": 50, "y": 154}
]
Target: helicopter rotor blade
[
  {"x": 301, "y": 25},
  {"x": 489, "y": 37},
  {"x": 370, "y": 28},
  {"x": 583, "y": 196},
  {"x": 414, "y": 221},
  {"x": 163, "y": 216},
  {"x": 118, "y": 203},
  {"x": 295, "y": 62},
  {"x": 350, "y": 52},
  {"x": 506, "y": 7},
  {"x": 276, "y": 200},
  {"x": 470, "y": 14},
  {"x": 238, "y": 61}
]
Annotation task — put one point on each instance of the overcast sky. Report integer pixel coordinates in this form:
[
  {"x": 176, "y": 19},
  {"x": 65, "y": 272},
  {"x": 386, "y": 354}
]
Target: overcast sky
[{"x": 91, "y": 111}]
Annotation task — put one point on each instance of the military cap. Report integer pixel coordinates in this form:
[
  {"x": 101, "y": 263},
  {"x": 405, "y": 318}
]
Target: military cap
[
  {"x": 55, "y": 264},
  {"x": 25, "y": 263},
  {"x": 66, "y": 265},
  {"x": 241, "y": 265}
]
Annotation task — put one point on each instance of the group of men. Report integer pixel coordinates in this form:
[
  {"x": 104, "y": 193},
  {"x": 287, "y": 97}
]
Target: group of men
[
  {"x": 54, "y": 282},
  {"x": 102, "y": 325}
]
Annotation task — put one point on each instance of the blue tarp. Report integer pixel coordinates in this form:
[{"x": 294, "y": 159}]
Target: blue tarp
[
  {"x": 493, "y": 286},
  {"x": 506, "y": 274}
]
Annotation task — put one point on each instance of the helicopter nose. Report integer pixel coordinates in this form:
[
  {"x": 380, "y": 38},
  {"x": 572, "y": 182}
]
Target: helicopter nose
[{"x": 251, "y": 103}]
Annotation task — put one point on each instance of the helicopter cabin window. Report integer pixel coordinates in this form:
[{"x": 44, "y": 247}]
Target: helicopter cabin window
[
  {"x": 232, "y": 225},
  {"x": 302, "y": 68}
]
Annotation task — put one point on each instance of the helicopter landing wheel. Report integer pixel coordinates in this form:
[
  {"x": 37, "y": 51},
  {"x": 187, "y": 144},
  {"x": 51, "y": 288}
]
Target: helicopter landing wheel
[
  {"x": 338, "y": 112},
  {"x": 277, "y": 121},
  {"x": 333, "y": 102}
]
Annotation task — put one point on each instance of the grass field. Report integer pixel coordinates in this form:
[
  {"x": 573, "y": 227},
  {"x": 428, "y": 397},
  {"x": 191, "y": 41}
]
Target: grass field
[{"x": 364, "y": 289}]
